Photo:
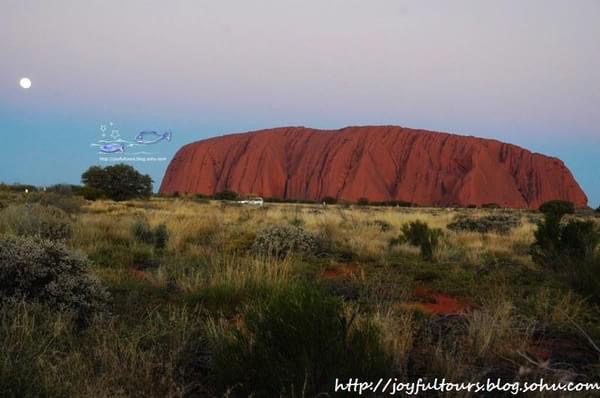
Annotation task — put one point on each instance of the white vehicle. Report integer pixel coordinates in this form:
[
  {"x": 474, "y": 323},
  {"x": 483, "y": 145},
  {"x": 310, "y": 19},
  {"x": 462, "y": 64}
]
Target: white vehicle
[{"x": 255, "y": 200}]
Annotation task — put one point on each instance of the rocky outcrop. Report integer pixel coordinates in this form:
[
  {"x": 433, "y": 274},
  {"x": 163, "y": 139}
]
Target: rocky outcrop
[{"x": 375, "y": 162}]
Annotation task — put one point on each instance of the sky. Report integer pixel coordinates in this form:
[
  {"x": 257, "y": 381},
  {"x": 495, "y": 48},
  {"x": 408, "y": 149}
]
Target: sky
[{"x": 521, "y": 71}]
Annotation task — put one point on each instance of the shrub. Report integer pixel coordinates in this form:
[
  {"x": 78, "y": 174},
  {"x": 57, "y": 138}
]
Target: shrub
[
  {"x": 362, "y": 201},
  {"x": 281, "y": 240},
  {"x": 558, "y": 245},
  {"x": 226, "y": 195},
  {"x": 558, "y": 207},
  {"x": 598, "y": 209},
  {"x": 418, "y": 233},
  {"x": 295, "y": 342},
  {"x": 158, "y": 237},
  {"x": 499, "y": 223},
  {"x": 64, "y": 201},
  {"x": 46, "y": 222},
  {"x": 38, "y": 270}
]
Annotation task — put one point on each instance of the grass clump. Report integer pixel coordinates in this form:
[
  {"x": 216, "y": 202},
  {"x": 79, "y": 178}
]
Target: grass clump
[
  {"x": 47, "y": 222},
  {"x": 282, "y": 240},
  {"x": 295, "y": 342},
  {"x": 36, "y": 270},
  {"x": 498, "y": 223},
  {"x": 418, "y": 233},
  {"x": 158, "y": 237}
]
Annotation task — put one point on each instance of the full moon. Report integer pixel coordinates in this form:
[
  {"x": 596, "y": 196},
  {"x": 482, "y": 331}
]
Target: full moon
[{"x": 25, "y": 82}]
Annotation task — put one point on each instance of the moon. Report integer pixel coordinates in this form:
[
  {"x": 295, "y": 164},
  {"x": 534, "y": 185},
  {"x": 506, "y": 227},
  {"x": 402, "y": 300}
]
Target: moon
[{"x": 25, "y": 83}]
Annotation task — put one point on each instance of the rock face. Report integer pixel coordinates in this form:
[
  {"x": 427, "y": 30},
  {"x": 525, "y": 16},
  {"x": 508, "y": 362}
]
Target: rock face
[{"x": 378, "y": 163}]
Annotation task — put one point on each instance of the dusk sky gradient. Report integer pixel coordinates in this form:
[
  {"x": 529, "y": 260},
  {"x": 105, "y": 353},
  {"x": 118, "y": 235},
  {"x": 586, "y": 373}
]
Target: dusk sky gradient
[{"x": 524, "y": 72}]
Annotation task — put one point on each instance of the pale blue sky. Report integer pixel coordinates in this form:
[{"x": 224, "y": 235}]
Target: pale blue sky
[{"x": 526, "y": 72}]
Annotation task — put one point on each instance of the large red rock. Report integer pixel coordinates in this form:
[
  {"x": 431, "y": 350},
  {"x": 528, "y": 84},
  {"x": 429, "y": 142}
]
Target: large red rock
[{"x": 379, "y": 163}]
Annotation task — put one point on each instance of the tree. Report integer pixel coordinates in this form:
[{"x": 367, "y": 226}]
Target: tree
[
  {"x": 118, "y": 182},
  {"x": 557, "y": 207}
]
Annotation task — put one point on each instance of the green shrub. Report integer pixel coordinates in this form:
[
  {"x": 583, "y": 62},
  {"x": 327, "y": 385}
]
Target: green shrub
[
  {"x": 499, "y": 223},
  {"x": 282, "y": 240},
  {"x": 558, "y": 207},
  {"x": 47, "y": 222},
  {"x": 161, "y": 236},
  {"x": 158, "y": 237},
  {"x": 38, "y": 270},
  {"x": 598, "y": 210},
  {"x": 418, "y": 233},
  {"x": 558, "y": 245},
  {"x": 142, "y": 231},
  {"x": 295, "y": 342}
]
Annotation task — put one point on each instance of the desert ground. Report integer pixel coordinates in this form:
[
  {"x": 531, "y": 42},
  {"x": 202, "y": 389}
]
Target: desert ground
[{"x": 212, "y": 298}]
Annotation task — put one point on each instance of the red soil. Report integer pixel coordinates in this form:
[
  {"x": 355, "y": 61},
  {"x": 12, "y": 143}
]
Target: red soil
[
  {"x": 340, "y": 271},
  {"x": 376, "y": 162},
  {"x": 438, "y": 303}
]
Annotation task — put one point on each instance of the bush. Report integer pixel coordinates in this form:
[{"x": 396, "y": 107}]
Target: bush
[
  {"x": 362, "y": 201},
  {"x": 295, "y": 342},
  {"x": 558, "y": 207},
  {"x": 226, "y": 195},
  {"x": 418, "y": 233},
  {"x": 38, "y": 270},
  {"x": 281, "y": 240},
  {"x": 558, "y": 245},
  {"x": 64, "y": 201},
  {"x": 161, "y": 236},
  {"x": 598, "y": 209},
  {"x": 158, "y": 237},
  {"x": 47, "y": 222},
  {"x": 499, "y": 223}
]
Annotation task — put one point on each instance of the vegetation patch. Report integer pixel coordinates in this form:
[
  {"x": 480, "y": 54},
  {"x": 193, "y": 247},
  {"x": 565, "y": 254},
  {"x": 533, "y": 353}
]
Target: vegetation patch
[
  {"x": 497, "y": 223},
  {"x": 295, "y": 342},
  {"x": 36, "y": 220},
  {"x": 35, "y": 270},
  {"x": 282, "y": 240}
]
